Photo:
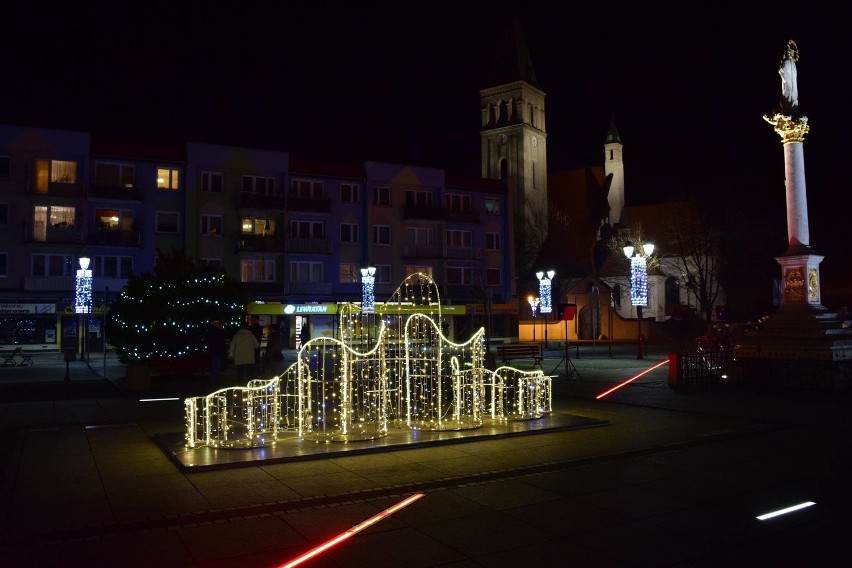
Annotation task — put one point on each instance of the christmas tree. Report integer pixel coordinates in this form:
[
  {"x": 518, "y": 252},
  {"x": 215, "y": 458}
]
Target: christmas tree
[{"x": 166, "y": 313}]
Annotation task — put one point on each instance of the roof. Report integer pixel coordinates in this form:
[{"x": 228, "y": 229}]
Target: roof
[{"x": 512, "y": 60}]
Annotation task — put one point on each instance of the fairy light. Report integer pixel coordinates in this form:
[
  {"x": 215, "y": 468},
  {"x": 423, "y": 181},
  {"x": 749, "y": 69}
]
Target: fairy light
[
  {"x": 83, "y": 288},
  {"x": 351, "y": 389}
]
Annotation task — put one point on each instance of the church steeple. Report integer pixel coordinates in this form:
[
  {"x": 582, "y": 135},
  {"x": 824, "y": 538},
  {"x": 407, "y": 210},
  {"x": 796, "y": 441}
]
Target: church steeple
[
  {"x": 614, "y": 166},
  {"x": 514, "y": 141}
]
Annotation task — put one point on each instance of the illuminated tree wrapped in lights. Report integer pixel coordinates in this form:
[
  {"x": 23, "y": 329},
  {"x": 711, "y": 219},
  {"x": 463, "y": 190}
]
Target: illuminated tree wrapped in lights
[{"x": 166, "y": 313}]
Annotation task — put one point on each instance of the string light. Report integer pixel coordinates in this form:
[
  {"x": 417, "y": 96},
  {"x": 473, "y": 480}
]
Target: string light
[{"x": 391, "y": 367}]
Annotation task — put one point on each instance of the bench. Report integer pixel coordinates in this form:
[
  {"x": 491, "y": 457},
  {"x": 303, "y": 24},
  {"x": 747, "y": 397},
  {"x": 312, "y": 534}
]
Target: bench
[
  {"x": 509, "y": 351},
  {"x": 9, "y": 359}
]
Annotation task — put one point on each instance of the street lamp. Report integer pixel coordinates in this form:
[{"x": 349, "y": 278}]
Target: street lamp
[
  {"x": 368, "y": 296},
  {"x": 533, "y": 306},
  {"x": 639, "y": 284},
  {"x": 83, "y": 300},
  {"x": 544, "y": 292}
]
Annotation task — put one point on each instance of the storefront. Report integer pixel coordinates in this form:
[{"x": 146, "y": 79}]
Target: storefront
[{"x": 49, "y": 327}]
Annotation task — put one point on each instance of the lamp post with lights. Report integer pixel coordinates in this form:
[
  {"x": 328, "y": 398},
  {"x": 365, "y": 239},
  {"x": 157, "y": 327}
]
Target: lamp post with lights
[
  {"x": 545, "y": 290},
  {"x": 533, "y": 307},
  {"x": 639, "y": 285},
  {"x": 83, "y": 300},
  {"x": 368, "y": 298}
]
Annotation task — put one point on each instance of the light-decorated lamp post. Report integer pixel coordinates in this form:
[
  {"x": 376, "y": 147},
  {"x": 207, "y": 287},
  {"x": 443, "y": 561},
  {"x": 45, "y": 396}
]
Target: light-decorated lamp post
[
  {"x": 545, "y": 289},
  {"x": 534, "y": 302},
  {"x": 83, "y": 300},
  {"x": 368, "y": 295},
  {"x": 639, "y": 285}
]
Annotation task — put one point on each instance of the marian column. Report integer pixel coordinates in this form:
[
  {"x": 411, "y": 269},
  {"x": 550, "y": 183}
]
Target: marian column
[{"x": 799, "y": 267}]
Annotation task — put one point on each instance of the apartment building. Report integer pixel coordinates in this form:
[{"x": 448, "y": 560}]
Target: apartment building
[{"x": 295, "y": 231}]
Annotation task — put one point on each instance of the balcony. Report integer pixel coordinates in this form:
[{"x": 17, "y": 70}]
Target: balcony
[
  {"x": 115, "y": 237},
  {"x": 61, "y": 189},
  {"x": 308, "y": 204},
  {"x": 49, "y": 283},
  {"x": 416, "y": 250},
  {"x": 107, "y": 191},
  {"x": 56, "y": 234},
  {"x": 465, "y": 253},
  {"x": 308, "y": 246},
  {"x": 256, "y": 201},
  {"x": 461, "y": 216},
  {"x": 422, "y": 212},
  {"x": 259, "y": 243}
]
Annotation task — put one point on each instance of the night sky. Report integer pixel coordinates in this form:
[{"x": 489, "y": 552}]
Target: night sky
[{"x": 399, "y": 82}]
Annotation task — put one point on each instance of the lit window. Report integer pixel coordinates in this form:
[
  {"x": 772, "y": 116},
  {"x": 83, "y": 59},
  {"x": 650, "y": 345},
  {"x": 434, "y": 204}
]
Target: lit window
[
  {"x": 168, "y": 179},
  {"x": 258, "y": 226},
  {"x": 211, "y": 225},
  {"x": 350, "y": 272},
  {"x": 492, "y": 205}
]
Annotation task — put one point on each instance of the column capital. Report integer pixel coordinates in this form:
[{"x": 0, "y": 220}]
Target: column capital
[{"x": 790, "y": 129}]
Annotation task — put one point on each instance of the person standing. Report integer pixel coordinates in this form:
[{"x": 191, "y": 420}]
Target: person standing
[
  {"x": 243, "y": 347},
  {"x": 217, "y": 348},
  {"x": 274, "y": 344},
  {"x": 257, "y": 330}
]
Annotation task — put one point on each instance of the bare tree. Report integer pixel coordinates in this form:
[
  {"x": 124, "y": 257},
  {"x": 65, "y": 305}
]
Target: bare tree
[{"x": 696, "y": 247}]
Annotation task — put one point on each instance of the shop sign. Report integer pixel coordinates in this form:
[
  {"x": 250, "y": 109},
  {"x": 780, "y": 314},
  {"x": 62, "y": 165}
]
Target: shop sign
[{"x": 19, "y": 309}]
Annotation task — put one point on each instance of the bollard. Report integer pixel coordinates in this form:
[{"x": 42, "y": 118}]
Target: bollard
[
  {"x": 674, "y": 379},
  {"x": 70, "y": 354}
]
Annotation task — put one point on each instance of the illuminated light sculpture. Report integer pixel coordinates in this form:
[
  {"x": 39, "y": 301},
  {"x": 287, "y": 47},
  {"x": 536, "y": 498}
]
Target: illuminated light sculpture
[
  {"x": 534, "y": 304},
  {"x": 368, "y": 297},
  {"x": 545, "y": 294},
  {"x": 346, "y": 390},
  {"x": 639, "y": 284}
]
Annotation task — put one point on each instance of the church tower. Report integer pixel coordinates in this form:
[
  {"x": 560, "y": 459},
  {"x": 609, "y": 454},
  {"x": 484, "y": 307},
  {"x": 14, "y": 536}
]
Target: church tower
[
  {"x": 514, "y": 143},
  {"x": 614, "y": 166}
]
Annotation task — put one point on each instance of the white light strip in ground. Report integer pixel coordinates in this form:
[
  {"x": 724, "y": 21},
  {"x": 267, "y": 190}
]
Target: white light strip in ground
[
  {"x": 785, "y": 511},
  {"x": 157, "y": 399}
]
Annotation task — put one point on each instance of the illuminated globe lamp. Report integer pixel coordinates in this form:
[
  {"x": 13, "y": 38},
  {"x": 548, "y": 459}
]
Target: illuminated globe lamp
[
  {"x": 534, "y": 303},
  {"x": 83, "y": 299},
  {"x": 639, "y": 285},
  {"x": 545, "y": 289}
]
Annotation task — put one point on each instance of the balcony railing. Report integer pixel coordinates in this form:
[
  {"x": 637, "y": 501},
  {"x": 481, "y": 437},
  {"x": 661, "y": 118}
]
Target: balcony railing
[
  {"x": 422, "y": 212},
  {"x": 54, "y": 234},
  {"x": 108, "y": 191},
  {"x": 259, "y": 243},
  {"x": 467, "y": 253},
  {"x": 415, "y": 250},
  {"x": 461, "y": 216},
  {"x": 312, "y": 246},
  {"x": 61, "y": 189},
  {"x": 255, "y": 201},
  {"x": 309, "y": 205},
  {"x": 115, "y": 237}
]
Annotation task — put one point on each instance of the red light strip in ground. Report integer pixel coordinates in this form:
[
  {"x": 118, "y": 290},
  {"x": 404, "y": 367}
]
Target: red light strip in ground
[
  {"x": 352, "y": 531},
  {"x": 631, "y": 379}
]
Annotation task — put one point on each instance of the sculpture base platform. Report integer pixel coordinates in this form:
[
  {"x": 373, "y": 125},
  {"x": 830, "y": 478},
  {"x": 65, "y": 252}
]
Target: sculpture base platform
[{"x": 804, "y": 331}]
